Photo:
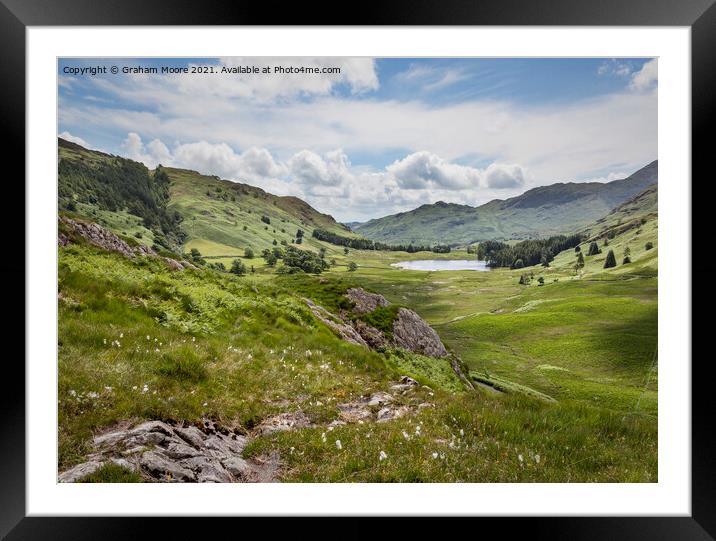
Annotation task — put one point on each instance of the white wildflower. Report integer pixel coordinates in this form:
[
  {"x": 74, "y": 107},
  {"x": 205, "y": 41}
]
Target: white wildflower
[
  {"x": 382, "y": 456},
  {"x": 148, "y": 337},
  {"x": 520, "y": 458},
  {"x": 435, "y": 455},
  {"x": 121, "y": 335},
  {"x": 73, "y": 392},
  {"x": 339, "y": 445},
  {"x": 537, "y": 459},
  {"x": 406, "y": 435},
  {"x": 323, "y": 437}
]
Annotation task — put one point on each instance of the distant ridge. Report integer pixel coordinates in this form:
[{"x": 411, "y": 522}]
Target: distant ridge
[{"x": 542, "y": 211}]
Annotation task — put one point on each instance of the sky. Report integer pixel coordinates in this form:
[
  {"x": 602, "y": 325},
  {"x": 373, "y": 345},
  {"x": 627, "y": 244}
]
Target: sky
[{"x": 378, "y": 135}]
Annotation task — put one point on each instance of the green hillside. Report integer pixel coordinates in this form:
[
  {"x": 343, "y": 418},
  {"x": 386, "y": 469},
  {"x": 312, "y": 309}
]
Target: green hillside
[
  {"x": 539, "y": 212},
  {"x": 179, "y": 209},
  {"x": 223, "y": 217}
]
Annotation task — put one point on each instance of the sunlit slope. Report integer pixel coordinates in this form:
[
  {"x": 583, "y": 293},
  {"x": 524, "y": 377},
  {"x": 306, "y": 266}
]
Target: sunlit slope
[{"x": 223, "y": 217}]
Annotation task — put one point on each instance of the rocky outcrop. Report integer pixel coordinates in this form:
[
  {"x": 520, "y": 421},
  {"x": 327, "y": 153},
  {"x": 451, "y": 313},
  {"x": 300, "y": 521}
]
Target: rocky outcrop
[
  {"x": 411, "y": 332},
  {"x": 180, "y": 453},
  {"x": 342, "y": 328},
  {"x": 363, "y": 301},
  {"x": 100, "y": 237}
]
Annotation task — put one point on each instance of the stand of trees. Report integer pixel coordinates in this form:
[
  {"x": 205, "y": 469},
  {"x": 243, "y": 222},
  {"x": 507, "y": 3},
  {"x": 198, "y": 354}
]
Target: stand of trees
[
  {"x": 525, "y": 253},
  {"x": 302, "y": 260},
  {"x": 367, "y": 244},
  {"x": 116, "y": 183}
]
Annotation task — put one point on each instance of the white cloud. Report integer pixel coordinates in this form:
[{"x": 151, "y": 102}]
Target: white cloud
[
  {"x": 424, "y": 169},
  {"x": 504, "y": 176},
  {"x": 311, "y": 169},
  {"x": 614, "y": 67},
  {"x": 646, "y": 78},
  {"x": 67, "y": 136}
]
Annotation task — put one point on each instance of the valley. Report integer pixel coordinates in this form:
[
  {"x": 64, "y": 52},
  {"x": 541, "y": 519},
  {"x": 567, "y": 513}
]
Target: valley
[{"x": 559, "y": 362}]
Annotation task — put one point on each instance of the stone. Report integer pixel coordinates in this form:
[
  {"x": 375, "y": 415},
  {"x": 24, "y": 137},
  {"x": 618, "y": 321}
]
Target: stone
[
  {"x": 191, "y": 435},
  {"x": 380, "y": 398},
  {"x": 78, "y": 472},
  {"x": 164, "y": 469},
  {"x": 411, "y": 332},
  {"x": 238, "y": 467},
  {"x": 363, "y": 301},
  {"x": 344, "y": 330},
  {"x": 162, "y": 452}
]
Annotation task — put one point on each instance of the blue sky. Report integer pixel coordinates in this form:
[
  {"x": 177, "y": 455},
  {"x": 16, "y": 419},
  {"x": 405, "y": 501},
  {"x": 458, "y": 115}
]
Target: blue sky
[{"x": 384, "y": 135}]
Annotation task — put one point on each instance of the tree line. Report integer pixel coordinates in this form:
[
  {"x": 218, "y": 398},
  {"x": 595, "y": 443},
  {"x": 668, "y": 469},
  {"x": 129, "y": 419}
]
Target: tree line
[
  {"x": 367, "y": 244},
  {"x": 525, "y": 253}
]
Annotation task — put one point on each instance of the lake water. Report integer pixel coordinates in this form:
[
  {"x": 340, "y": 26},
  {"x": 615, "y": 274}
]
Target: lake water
[{"x": 443, "y": 265}]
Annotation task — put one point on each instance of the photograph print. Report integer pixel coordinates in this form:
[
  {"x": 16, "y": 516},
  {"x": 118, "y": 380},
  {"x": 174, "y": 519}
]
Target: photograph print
[{"x": 357, "y": 270}]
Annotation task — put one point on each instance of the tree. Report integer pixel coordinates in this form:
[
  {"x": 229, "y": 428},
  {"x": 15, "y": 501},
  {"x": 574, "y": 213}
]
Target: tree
[
  {"x": 275, "y": 243},
  {"x": 593, "y": 249},
  {"x": 519, "y": 264},
  {"x": 345, "y": 251},
  {"x": 541, "y": 280},
  {"x": 253, "y": 270},
  {"x": 299, "y": 240},
  {"x": 322, "y": 253},
  {"x": 579, "y": 264},
  {"x": 611, "y": 261},
  {"x": 352, "y": 266},
  {"x": 606, "y": 241},
  {"x": 577, "y": 248},
  {"x": 299, "y": 234},
  {"x": 333, "y": 262},
  {"x": 265, "y": 219},
  {"x": 649, "y": 245},
  {"x": 627, "y": 260},
  {"x": 237, "y": 267},
  {"x": 248, "y": 253}
]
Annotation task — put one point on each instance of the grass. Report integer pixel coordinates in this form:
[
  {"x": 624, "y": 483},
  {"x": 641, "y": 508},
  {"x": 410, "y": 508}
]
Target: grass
[
  {"x": 112, "y": 473},
  {"x": 138, "y": 341}
]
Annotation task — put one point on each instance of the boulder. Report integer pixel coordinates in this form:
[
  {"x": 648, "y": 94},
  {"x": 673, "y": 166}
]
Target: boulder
[
  {"x": 363, "y": 301},
  {"x": 411, "y": 332}
]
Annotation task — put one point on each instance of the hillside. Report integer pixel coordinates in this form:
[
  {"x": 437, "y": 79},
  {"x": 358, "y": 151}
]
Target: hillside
[
  {"x": 180, "y": 209},
  {"x": 223, "y": 217},
  {"x": 539, "y": 212}
]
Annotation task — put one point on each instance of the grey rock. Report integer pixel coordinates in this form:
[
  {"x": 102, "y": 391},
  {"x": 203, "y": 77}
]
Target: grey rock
[
  {"x": 238, "y": 467},
  {"x": 162, "y": 452},
  {"x": 78, "y": 472},
  {"x": 411, "y": 332},
  {"x": 191, "y": 435},
  {"x": 344, "y": 330},
  {"x": 363, "y": 301},
  {"x": 164, "y": 469}
]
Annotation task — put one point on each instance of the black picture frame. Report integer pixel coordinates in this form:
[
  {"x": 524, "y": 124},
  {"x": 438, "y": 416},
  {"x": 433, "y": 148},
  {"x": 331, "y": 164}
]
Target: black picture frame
[{"x": 699, "y": 15}]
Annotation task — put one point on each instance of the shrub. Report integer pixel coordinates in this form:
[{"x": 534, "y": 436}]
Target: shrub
[
  {"x": 237, "y": 267},
  {"x": 352, "y": 266},
  {"x": 265, "y": 219},
  {"x": 649, "y": 245},
  {"x": 248, "y": 253}
]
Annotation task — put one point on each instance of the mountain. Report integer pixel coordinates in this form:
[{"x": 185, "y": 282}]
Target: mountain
[
  {"x": 542, "y": 211},
  {"x": 180, "y": 209}
]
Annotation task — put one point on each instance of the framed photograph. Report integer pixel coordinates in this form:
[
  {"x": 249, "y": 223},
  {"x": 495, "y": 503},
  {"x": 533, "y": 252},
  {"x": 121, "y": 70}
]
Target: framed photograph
[{"x": 406, "y": 267}]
